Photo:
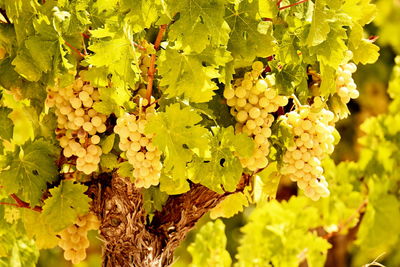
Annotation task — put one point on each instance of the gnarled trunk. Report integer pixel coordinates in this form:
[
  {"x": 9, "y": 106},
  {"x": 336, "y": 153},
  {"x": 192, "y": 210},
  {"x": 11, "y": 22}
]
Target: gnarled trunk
[{"x": 129, "y": 240}]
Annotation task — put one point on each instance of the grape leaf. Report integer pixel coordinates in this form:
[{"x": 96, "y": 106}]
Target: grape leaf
[
  {"x": 66, "y": 203},
  {"x": 154, "y": 199},
  {"x": 277, "y": 233},
  {"x": 185, "y": 74},
  {"x": 383, "y": 212},
  {"x": 177, "y": 135},
  {"x": 125, "y": 169},
  {"x": 201, "y": 23},
  {"x": 364, "y": 51},
  {"x": 112, "y": 99},
  {"x": 120, "y": 57},
  {"x": 142, "y": 13},
  {"x": 231, "y": 205},
  {"x": 222, "y": 170},
  {"x": 209, "y": 247},
  {"x": 361, "y": 11},
  {"x": 31, "y": 167},
  {"x": 320, "y": 24},
  {"x": 41, "y": 52},
  {"x": 107, "y": 143},
  {"x": 246, "y": 40},
  {"x": 26, "y": 68},
  {"x": 6, "y": 124},
  {"x": 37, "y": 228},
  {"x": 108, "y": 162}
]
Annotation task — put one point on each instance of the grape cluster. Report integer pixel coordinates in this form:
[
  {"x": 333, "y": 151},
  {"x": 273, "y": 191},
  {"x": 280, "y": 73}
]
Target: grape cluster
[
  {"x": 78, "y": 124},
  {"x": 313, "y": 140},
  {"x": 252, "y": 99},
  {"x": 138, "y": 147},
  {"x": 345, "y": 86},
  {"x": 74, "y": 241}
]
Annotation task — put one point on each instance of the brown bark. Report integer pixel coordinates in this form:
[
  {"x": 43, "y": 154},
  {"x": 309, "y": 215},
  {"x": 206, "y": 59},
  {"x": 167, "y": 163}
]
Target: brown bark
[{"x": 129, "y": 240}]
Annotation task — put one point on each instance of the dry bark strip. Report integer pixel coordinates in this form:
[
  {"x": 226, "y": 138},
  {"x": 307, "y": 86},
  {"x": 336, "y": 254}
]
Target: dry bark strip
[{"x": 129, "y": 240}]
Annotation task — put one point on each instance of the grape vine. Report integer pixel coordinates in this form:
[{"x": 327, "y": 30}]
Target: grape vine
[{"x": 137, "y": 118}]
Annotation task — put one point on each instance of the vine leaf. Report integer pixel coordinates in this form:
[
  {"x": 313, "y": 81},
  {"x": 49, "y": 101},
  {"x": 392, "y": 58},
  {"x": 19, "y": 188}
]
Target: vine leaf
[
  {"x": 29, "y": 170},
  {"x": 6, "y": 124},
  {"x": 66, "y": 203},
  {"x": 209, "y": 247},
  {"x": 221, "y": 169},
  {"x": 38, "y": 229},
  {"x": 201, "y": 23},
  {"x": 178, "y": 136},
  {"x": 249, "y": 37},
  {"x": 185, "y": 74},
  {"x": 231, "y": 205}
]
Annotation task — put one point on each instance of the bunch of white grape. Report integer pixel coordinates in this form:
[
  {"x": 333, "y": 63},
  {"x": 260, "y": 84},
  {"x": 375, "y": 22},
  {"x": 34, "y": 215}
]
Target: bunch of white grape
[
  {"x": 345, "y": 86},
  {"x": 78, "y": 124},
  {"x": 138, "y": 146},
  {"x": 252, "y": 99},
  {"x": 313, "y": 140},
  {"x": 74, "y": 241}
]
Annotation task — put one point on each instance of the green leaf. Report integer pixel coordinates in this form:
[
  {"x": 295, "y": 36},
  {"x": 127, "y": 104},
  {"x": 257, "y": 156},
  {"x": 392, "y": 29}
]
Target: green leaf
[
  {"x": 40, "y": 230},
  {"x": 173, "y": 186},
  {"x": 178, "y": 136},
  {"x": 30, "y": 169},
  {"x": 364, "y": 51},
  {"x": 112, "y": 99},
  {"x": 267, "y": 182},
  {"x": 230, "y": 206},
  {"x": 201, "y": 23},
  {"x": 109, "y": 161},
  {"x": 25, "y": 66},
  {"x": 277, "y": 233},
  {"x": 142, "y": 13},
  {"x": 248, "y": 40},
  {"x": 154, "y": 199},
  {"x": 209, "y": 247},
  {"x": 120, "y": 57},
  {"x": 382, "y": 213},
  {"x": 221, "y": 170},
  {"x": 108, "y": 143},
  {"x": 42, "y": 52},
  {"x": 6, "y": 124},
  {"x": 320, "y": 24},
  {"x": 66, "y": 203},
  {"x": 185, "y": 74},
  {"x": 125, "y": 169}
]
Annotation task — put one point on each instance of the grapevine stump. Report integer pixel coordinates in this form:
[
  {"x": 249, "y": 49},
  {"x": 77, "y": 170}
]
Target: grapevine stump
[{"x": 130, "y": 239}]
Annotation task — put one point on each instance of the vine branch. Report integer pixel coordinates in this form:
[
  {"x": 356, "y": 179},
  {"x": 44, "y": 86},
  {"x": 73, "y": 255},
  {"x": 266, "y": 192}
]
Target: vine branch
[
  {"x": 347, "y": 221},
  {"x": 75, "y": 49},
  {"x": 21, "y": 204},
  {"x": 152, "y": 68},
  {"x": 291, "y": 5}
]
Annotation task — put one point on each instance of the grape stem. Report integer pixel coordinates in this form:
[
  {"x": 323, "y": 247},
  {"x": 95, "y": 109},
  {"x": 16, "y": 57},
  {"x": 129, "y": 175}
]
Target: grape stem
[
  {"x": 296, "y": 101},
  {"x": 21, "y": 204},
  {"x": 291, "y": 5},
  {"x": 278, "y": 3},
  {"x": 152, "y": 68},
  {"x": 73, "y": 48},
  {"x": 348, "y": 220}
]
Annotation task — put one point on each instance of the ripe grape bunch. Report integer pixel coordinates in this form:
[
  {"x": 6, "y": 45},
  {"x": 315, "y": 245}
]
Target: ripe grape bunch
[
  {"x": 138, "y": 146},
  {"x": 252, "y": 99},
  {"x": 345, "y": 86},
  {"x": 74, "y": 241},
  {"x": 313, "y": 140},
  {"x": 78, "y": 124}
]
